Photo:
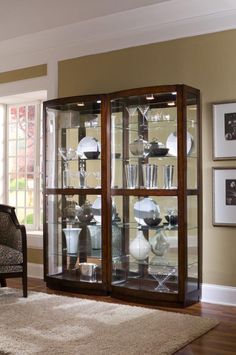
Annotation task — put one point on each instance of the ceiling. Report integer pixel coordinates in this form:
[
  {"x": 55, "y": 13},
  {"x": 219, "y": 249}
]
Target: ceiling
[
  {"x": 24, "y": 17},
  {"x": 50, "y": 30},
  {"x": 29, "y": 16}
]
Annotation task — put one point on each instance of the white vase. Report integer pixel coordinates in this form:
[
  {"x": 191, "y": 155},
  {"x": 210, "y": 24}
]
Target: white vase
[
  {"x": 72, "y": 240},
  {"x": 139, "y": 248}
]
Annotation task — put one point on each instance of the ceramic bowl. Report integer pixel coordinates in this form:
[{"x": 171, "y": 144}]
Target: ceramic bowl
[
  {"x": 92, "y": 155},
  {"x": 153, "y": 222},
  {"x": 157, "y": 149},
  {"x": 145, "y": 208}
]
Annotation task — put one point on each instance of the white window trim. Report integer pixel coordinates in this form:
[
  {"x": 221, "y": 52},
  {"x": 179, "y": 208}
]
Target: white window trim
[{"x": 36, "y": 207}]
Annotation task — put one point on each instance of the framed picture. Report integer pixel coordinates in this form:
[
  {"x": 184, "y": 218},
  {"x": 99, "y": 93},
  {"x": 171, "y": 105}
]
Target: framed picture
[
  {"x": 224, "y": 131},
  {"x": 224, "y": 196}
]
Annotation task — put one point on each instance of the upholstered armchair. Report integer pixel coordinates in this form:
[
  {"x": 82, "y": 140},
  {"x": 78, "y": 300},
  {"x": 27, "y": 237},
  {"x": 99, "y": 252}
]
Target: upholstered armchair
[{"x": 13, "y": 248}]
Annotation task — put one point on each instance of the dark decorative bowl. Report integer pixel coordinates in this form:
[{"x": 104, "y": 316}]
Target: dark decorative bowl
[
  {"x": 152, "y": 222},
  {"x": 157, "y": 149},
  {"x": 158, "y": 152},
  {"x": 173, "y": 219},
  {"x": 92, "y": 155}
]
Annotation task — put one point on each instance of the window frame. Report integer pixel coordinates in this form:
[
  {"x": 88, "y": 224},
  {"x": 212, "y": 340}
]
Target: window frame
[{"x": 37, "y": 173}]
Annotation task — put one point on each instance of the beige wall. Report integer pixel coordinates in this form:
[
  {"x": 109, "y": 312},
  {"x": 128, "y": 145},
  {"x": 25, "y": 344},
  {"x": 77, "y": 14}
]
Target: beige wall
[
  {"x": 24, "y": 73},
  {"x": 206, "y": 62},
  {"x": 35, "y": 256}
]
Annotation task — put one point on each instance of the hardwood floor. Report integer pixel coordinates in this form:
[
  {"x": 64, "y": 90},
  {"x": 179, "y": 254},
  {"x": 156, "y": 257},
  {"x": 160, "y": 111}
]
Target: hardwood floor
[{"x": 219, "y": 341}]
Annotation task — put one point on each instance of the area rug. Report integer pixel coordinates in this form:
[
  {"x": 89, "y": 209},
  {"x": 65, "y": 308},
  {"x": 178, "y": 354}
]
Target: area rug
[{"x": 50, "y": 324}]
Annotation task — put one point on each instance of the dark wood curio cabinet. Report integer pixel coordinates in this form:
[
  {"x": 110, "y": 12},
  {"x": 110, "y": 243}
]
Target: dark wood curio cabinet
[{"x": 122, "y": 194}]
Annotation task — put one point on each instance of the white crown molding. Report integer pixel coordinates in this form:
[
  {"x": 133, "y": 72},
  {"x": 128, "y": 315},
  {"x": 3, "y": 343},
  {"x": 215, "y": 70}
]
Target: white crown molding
[{"x": 150, "y": 24}]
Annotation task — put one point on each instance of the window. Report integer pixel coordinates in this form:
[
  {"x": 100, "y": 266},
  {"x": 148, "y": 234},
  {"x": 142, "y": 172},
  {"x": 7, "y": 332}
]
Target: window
[{"x": 24, "y": 162}]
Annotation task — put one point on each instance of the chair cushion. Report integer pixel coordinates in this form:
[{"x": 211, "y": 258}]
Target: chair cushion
[
  {"x": 9, "y": 256},
  {"x": 7, "y": 269}
]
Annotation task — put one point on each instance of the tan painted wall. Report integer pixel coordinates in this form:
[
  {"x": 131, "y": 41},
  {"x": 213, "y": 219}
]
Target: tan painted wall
[
  {"x": 24, "y": 73},
  {"x": 206, "y": 62},
  {"x": 35, "y": 256}
]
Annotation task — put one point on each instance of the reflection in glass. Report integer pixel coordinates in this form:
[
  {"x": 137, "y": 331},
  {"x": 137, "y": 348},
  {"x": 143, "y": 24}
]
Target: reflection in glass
[
  {"x": 131, "y": 110},
  {"x": 67, "y": 155},
  {"x": 168, "y": 174}
]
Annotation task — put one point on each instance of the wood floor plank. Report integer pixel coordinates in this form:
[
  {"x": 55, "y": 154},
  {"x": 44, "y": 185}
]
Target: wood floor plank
[{"x": 219, "y": 341}]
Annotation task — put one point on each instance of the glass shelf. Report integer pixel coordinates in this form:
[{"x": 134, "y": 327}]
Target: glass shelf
[
  {"x": 165, "y": 226},
  {"x": 70, "y": 191},
  {"x": 171, "y": 261},
  {"x": 72, "y": 160},
  {"x": 144, "y": 159},
  {"x": 79, "y": 127}
]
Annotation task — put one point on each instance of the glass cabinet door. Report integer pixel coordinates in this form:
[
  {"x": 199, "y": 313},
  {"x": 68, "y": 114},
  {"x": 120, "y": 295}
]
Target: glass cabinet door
[
  {"x": 74, "y": 237},
  {"x": 144, "y": 142},
  {"x": 145, "y": 244},
  {"x": 74, "y": 219},
  {"x": 73, "y": 145},
  {"x": 144, "y": 185},
  {"x": 193, "y": 187}
]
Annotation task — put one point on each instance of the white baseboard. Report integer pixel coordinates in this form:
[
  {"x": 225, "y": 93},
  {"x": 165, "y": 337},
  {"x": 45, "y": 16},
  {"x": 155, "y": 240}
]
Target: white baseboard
[
  {"x": 35, "y": 270},
  {"x": 225, "y": 295}
]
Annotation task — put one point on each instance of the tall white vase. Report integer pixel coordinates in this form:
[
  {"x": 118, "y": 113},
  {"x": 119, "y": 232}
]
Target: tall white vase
[
  {"x": 139, "y": 248},
  {"x": 72, "y": 240}
]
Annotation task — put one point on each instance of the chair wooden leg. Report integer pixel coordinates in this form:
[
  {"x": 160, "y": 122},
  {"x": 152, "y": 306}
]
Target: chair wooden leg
[
  {"x": 25, "y": 285},
  {"x": 3, "y": 283}
]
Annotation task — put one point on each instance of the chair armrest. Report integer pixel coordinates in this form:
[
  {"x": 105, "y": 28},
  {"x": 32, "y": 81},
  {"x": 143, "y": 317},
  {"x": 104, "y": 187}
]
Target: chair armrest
[{"x": 23, "y": 238}]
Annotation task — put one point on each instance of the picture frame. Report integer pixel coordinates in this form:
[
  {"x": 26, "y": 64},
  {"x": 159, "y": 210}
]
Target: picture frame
[
  {"x": 224, "y": 131},
  {"x": 224, "y": 196}
]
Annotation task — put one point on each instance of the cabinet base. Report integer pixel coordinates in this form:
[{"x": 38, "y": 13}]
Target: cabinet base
[
  {"x": 131, "y": 296},
  {"x": 155, "y": 302},
  {"x": 74, "y": 287}
]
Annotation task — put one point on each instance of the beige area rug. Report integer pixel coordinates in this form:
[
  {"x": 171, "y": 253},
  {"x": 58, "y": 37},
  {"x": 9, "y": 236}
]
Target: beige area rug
[{"x": 49, "y": 324}]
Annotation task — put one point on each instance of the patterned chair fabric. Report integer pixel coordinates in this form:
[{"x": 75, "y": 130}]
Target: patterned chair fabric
[
  {"x": 9, "y": 234},
  {"x": 13, "y": 248},
  {"x": 10, "y": 256},
  {"x": 10, "y": 269}
]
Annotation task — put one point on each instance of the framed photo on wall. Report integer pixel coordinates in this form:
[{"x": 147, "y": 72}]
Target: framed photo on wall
[
  {"x": 224, "y": 196},
  {"x": 224, "y": 131}
]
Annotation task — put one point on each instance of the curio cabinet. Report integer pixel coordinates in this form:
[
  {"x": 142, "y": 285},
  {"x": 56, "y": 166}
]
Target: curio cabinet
[{"x": 122, "y": 194}]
